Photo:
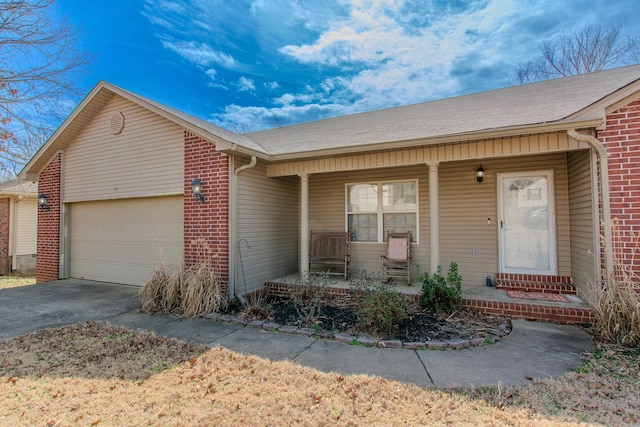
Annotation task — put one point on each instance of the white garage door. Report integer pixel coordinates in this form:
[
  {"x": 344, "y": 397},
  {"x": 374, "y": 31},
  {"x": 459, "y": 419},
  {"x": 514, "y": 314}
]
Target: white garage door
[{"x": 122, "y": 241}]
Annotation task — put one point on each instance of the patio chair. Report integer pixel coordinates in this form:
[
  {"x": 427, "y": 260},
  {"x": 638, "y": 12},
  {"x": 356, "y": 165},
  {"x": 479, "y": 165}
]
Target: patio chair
[
  {"x": 330, "y": 252},
  {"x": 396, "y": 263}
]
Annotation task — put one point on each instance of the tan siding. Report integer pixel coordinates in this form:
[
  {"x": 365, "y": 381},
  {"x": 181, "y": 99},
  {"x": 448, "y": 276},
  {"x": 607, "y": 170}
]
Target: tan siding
[
  {"x": 583, "y": 237},
  {"x": 465, "y": 207},
  {"x": 26, "y": 227},
  {"x": 327, "y": 212},
  {"x": 145, "y": 159},
  {"x": 468, "y": 150},
  {"x": 268, "y": 221}
]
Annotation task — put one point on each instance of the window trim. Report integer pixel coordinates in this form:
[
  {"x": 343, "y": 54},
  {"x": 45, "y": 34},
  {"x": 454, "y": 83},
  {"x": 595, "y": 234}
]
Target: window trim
[{"x": 380, "y": 208}]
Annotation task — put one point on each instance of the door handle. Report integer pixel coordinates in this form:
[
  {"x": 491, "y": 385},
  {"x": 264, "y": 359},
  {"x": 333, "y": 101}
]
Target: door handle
[{"x": 501, "y": 225}]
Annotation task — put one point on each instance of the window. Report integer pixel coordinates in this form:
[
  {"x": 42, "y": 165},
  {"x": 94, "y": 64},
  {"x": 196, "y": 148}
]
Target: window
[{"x": 373, "y": 209}]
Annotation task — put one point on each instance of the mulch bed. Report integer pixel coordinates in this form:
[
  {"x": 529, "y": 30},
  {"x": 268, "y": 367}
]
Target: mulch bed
[{"x": 422, "y": 326}]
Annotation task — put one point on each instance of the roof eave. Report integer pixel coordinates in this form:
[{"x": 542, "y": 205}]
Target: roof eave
[
  {"x": 599, "y": 108},
  {"x": 443, "y": 139},
  {"x": 189, "y": 126},
  {"x": 233, "y": 148},
  {"x": 39, "y": 161}
]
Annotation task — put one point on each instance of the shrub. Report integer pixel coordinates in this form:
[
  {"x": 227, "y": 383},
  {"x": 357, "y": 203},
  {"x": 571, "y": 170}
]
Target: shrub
[
  {"x": 256, "y": 305},
  {"x": 202, "y": 290},
  {"x": 379, "y": 306},
  {"x": 361, "y": 283},
  {"x": 617, "y": 306},
  {"x": 187, "y": 292},
  {"x": 381, "y": 309},
  {"x": 308, "y": 295},
  {"x": 440, "y": 294}
]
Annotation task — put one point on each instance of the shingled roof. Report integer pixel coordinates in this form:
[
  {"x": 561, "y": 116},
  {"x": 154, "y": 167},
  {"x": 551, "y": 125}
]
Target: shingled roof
[
  {"x": 568, "y": 102},
  {"x": 564, "y": 100}
]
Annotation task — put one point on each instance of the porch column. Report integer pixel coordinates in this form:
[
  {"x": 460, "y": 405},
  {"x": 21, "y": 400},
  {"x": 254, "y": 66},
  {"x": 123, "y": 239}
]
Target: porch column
[
  {"x": 434, "y": 216},
  {"x": 304, "y": 223}
]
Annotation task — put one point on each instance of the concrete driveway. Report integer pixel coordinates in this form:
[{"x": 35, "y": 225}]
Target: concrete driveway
[
  {"x": 48, "y": 305},
  {"x": 532, "y": 350}
]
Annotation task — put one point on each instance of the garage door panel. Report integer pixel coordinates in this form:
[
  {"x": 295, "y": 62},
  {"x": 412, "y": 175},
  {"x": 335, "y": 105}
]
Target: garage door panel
[{"x": 123, "y": 240}]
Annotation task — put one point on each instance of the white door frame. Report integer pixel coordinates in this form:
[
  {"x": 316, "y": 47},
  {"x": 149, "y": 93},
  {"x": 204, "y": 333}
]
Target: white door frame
[{"x": 551, "y": 218}]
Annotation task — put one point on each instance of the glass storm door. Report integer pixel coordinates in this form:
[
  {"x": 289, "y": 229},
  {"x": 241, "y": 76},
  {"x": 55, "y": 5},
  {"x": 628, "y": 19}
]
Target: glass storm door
[{"x": 527, "y": 223}]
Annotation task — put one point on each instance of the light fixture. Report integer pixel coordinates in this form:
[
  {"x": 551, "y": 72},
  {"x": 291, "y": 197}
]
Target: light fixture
[
  {"x": 42, "y": 202},
  {"x": 196, "y": 187},
  {"x": 480, "y": 175}
]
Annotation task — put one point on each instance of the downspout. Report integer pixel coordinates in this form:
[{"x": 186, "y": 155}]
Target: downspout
[
  {"x": 604, "y": 189},
  {"x": 233, "y": 226},
  {"x": 12, "y": 236}
]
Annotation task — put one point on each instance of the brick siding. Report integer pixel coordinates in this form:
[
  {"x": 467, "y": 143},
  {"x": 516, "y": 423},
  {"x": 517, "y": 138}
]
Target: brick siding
[
  {"x": 206, "y": 225},
  {"x": 5, "y": 259},
  {"x": 621, "y": 138},
  {"x": 48, "y": 252}
]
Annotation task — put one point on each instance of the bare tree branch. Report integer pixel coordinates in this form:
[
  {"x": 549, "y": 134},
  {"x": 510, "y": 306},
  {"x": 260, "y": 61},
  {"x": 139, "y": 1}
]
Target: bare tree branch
[
  {"x": 590, "y": 49},
  {"x": 39, "y": 68}
]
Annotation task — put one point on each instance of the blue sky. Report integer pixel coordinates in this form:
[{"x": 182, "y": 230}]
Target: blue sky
[{"x": 249, "y": 65}]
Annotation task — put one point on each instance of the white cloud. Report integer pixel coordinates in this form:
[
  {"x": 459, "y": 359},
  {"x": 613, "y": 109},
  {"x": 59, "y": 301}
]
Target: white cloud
[
  {"x": 404, "y": 65},
  {"x": 384, "y": 63},
  {"x": 246, "y": 119},
  {"x": 330, "y": 57},
  {"x": 246, "y": 85},
  {"x": 286, "y": 99},
  {"x": 199, "y": 53},
  {"x": 272, "y": 85}
]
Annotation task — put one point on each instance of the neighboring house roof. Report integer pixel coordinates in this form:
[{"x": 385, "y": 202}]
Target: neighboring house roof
[
  {"x": 15, "y": 187},
  {"x": 560, "y": 104},
  {"x": 565, "y": 101}
]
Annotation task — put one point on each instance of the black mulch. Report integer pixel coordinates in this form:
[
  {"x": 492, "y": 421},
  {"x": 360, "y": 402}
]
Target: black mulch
[{"x": 420, "y": 327}]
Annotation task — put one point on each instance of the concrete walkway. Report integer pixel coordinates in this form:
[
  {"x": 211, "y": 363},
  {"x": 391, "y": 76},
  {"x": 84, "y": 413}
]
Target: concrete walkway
[{"x": 532, "y": 350}]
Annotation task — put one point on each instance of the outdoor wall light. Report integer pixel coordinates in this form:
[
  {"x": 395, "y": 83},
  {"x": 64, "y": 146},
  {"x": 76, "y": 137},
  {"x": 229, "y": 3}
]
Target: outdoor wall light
[
  {"x": 196, "y": 187},
  {"x": 480, "y": 175},
  {"x": 42, "y": 202}
]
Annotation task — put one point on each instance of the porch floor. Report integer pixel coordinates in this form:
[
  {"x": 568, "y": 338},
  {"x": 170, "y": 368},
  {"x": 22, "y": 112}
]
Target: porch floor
[{"x": 489, "y": 300}]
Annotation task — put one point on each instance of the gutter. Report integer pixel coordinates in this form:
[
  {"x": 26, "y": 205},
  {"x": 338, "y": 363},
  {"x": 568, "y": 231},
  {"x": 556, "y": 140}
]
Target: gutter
[
  {"x": 341, "y": 150},
  {"x": 233, "y": 225},
  {"x": 606, "y": 201}
]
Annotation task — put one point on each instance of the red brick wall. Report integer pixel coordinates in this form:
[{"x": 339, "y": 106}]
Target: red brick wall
[
  {"x": 48, "y": 255},
  {"x": 206, "y": 225},
  {"x": 621, "y": 138},
  {"x": 5, "y": 259}
]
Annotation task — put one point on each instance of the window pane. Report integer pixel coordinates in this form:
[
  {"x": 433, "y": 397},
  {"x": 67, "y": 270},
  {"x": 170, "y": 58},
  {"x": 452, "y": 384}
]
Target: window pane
[
  {"x": 399, "y": 196},
  {"x": 400, "y": 223},
  {"x": 363, "y": 227},
  {"x": 362, "y": 198}
]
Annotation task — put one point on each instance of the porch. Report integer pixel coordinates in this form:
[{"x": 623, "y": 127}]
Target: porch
[
  {"x": 490, "y": 300},
  {"x": 532, "y": 212}
]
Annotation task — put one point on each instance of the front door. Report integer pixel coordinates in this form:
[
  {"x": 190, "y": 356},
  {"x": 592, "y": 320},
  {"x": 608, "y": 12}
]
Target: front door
[{"x": 527, "y": 223}]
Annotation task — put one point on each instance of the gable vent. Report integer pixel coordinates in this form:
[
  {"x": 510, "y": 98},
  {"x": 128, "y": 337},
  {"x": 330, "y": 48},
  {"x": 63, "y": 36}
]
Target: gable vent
[{"x": 116, "y": 124}]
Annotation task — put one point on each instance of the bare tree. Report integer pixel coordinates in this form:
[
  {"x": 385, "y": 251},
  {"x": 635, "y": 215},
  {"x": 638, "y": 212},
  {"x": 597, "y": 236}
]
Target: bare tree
[
  {"x": 590, "y": 49},
  {"x": 39, "y": 67}
]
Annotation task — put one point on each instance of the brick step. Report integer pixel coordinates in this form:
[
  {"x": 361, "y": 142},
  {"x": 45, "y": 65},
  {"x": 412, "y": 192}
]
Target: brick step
[
  {"x": 541, "y": 313},
  {"x": 526, "y": 286}
]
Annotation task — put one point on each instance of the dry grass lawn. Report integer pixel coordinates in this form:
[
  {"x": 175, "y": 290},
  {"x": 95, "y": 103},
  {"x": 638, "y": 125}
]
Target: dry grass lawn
[
  {"x": 94, "y": 374},
  {"x": 7, "y": 282}
]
